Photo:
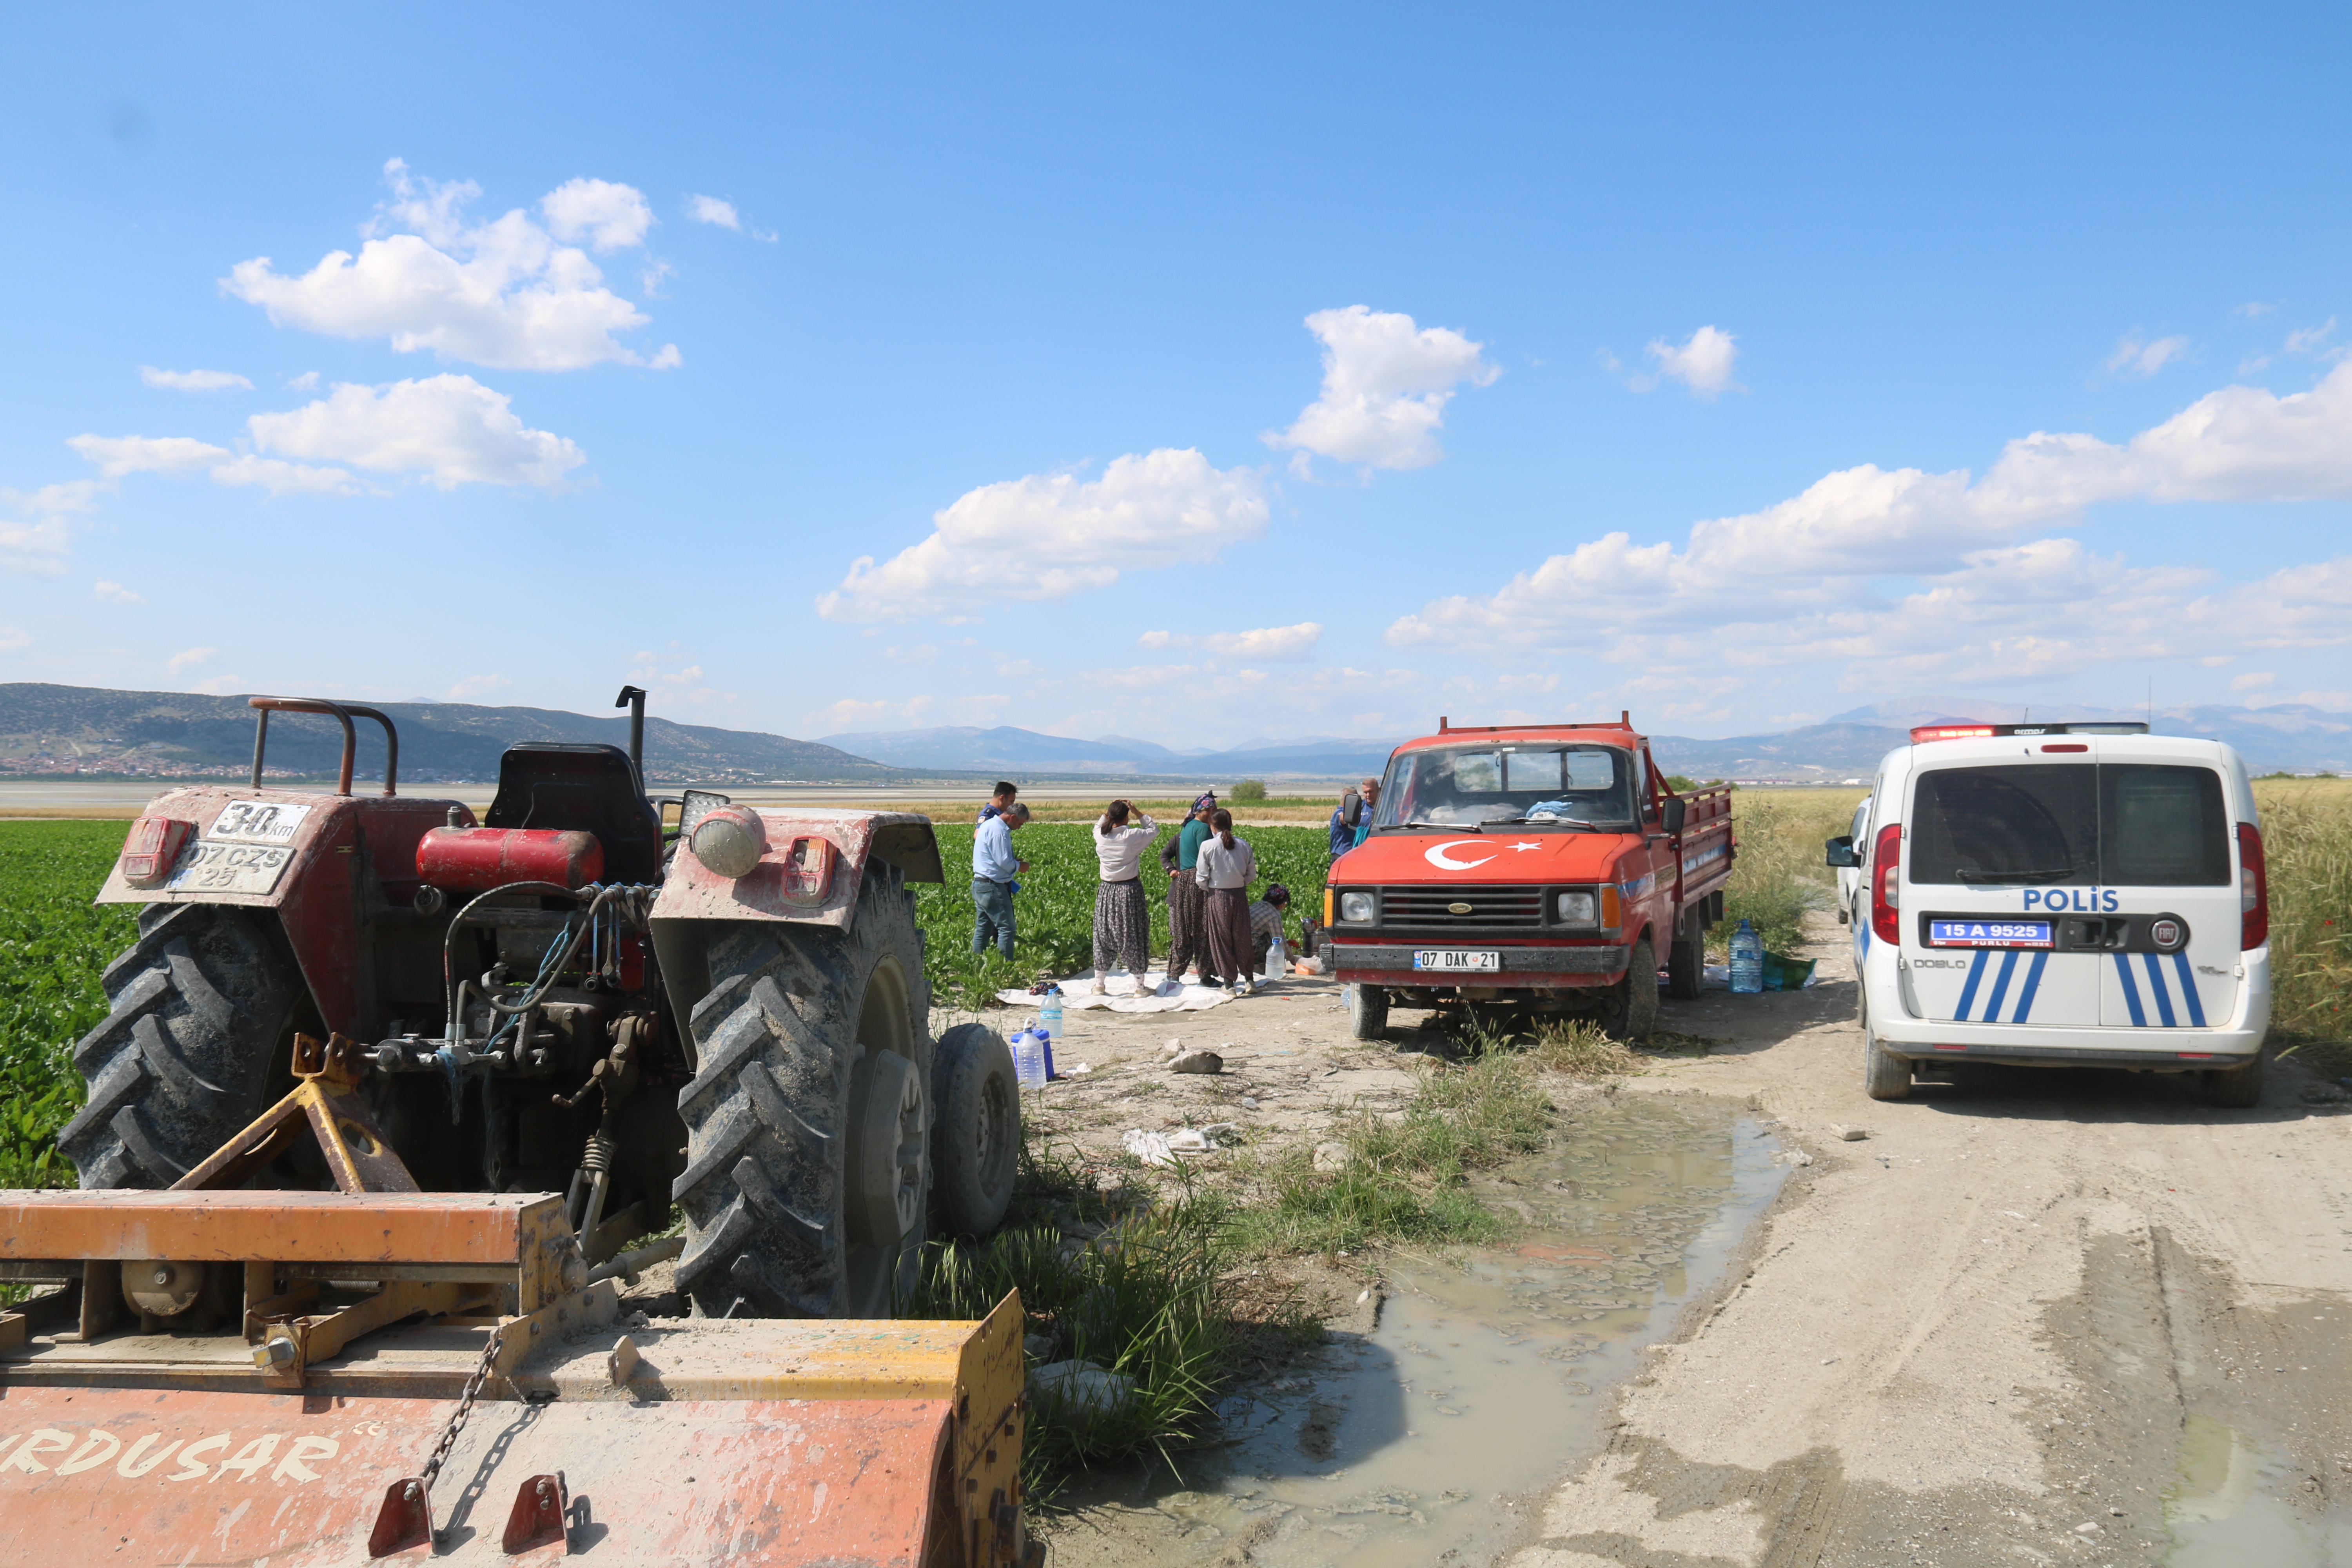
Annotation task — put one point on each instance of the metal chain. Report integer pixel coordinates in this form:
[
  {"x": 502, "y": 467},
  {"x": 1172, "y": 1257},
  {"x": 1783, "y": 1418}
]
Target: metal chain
[{"x": 465, "y": 1408}]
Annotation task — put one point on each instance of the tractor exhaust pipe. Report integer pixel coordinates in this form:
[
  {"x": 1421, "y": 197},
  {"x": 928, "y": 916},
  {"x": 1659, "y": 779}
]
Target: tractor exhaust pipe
[{"x": 632, "y": 698}]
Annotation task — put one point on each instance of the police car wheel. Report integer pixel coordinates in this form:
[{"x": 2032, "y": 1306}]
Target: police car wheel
[
  {"x": 2238, "y": 1088},
  {"x": 1884, "y": 1075}
]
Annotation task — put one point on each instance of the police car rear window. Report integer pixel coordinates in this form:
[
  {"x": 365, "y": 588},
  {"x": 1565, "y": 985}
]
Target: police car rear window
[{"x": 2060, "y": 824}]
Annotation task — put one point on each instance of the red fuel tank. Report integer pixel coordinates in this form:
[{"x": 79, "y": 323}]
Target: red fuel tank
[{"x": 475, "y": 859}]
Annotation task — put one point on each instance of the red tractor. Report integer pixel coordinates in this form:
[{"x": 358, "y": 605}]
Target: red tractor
[{"x": 635, "y": 1000}]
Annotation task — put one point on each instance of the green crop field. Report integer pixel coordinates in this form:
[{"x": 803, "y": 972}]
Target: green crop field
[
  {"x": 1054, "y": 911},
  {"x": 53, "y": 946}
]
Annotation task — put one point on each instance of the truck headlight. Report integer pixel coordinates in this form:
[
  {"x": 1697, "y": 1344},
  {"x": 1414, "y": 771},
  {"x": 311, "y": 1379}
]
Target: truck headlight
[
  {"x": 1358, "y": 907},
  {"x": 1575, "y": 909}
]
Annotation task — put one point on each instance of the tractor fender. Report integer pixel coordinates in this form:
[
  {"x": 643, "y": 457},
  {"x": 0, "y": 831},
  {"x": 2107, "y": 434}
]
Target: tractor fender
[
  {"x": 307, "y": 856},
  {"x": 808, "y": 874}
]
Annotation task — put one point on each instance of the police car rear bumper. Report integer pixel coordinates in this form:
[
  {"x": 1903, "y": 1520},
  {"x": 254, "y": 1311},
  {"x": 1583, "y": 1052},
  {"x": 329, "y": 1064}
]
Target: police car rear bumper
[{"x": 1923, "y": 1039}]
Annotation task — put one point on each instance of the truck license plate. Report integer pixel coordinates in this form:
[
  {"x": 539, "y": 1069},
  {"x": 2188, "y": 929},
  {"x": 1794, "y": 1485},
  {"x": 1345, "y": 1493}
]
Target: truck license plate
[
  {"x": 1455, "y": 958},
  {"x": 209, "y": 866}
]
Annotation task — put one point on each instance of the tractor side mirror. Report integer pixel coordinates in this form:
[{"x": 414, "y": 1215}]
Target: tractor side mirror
[
  {"x": 1672, "y": 813},
  {"x": 1841, "y": 852}
]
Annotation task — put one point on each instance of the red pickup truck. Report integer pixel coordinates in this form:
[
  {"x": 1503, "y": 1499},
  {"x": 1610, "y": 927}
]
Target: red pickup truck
[{"x": 1541, "y": 867}]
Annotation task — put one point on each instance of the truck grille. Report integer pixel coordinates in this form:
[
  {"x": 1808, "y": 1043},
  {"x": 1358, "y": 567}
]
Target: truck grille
[{"x": 1490, "y": 909}]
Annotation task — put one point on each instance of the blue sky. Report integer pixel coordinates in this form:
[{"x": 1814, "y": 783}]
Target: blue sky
[{"x": 1195, "y": 377}]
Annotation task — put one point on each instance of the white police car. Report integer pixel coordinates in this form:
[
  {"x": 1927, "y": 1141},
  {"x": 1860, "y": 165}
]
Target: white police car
[{"x": 2062, "y": 895}]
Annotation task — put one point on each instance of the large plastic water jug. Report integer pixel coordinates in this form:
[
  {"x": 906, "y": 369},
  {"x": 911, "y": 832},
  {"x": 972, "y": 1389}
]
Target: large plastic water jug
[
  {"x": 1029, "y": 1058},
  {"x": 1050, "y": 1014},
  {"x": 1746, "y": 960},
  {"x": 1277, "y": 960}
]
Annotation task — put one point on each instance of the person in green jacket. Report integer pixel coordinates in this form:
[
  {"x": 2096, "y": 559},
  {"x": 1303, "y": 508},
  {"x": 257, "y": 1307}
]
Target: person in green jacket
[{"x": 1188, "y": 905}]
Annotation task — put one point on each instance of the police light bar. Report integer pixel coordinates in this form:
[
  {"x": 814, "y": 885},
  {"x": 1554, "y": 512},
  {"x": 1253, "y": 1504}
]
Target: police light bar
[{"x": 1925, "y": 733}]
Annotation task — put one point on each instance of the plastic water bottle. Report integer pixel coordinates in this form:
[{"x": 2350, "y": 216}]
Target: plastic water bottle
[
  {"x": 1276, "y": 960},
  {"x": 1029, "y": 1058},
  {"x": 1746, "y": 960},
  {"x": 1051, "y": 1017}
]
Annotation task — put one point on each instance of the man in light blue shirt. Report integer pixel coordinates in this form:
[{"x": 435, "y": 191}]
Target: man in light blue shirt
[{"x": 993, "y": 867}]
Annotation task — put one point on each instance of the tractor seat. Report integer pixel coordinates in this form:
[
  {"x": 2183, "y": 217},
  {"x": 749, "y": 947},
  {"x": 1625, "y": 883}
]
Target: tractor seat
[{"x": 590, "y": 788}]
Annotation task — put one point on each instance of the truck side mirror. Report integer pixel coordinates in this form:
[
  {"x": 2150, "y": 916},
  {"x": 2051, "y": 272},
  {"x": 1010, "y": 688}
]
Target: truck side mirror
[
  {"x": 1673, "y": 811},
  {"x": 1841, "y": 852}
]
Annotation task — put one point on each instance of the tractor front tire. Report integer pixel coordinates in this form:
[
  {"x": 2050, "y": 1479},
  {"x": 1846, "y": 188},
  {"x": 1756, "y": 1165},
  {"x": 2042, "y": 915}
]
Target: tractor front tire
[
  {"x": 807, "y": 1174},
  {"x": 201, "y": 1008},
  {"x": 975, "y": 1130},
  {"x": 1630, "y": 1011}
]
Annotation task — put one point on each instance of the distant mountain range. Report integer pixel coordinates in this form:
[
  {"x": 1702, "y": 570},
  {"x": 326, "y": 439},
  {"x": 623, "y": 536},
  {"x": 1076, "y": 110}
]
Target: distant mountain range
[
  {"x": 79, "y": 729},
  {"x": 50, "y": 730},
  {"x": 2289, "y": 736}
]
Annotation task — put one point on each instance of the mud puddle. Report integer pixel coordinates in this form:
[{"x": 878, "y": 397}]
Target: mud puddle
[
  {"x": 2225, "y": 1511},
  {"x": 1420, "y": 1441}
]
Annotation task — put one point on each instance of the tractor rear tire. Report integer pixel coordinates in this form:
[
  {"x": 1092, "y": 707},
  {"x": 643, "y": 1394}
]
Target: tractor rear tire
[
  {"x": 975, "y": 1129},
  {"x": 807, "y": 1175},
  {"x": 1630, "y": 1011},
  {"x": 1368, "y": 1012},
  {"x": 1686, "y": 963},
  {"x": 202, "y": 1007}
]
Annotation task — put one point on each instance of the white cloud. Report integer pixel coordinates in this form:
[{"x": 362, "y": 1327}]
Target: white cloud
[
  {"x": 191, "y": 658},
  {"x": 447, "y": 429},
  {"x": 2252, "y": 309},
  {"x": 279, "y": 477},
  {"x": 1703, "y": 362},
  {"x": 502, "y": 293},
  {"x": 1796, "y": 582},
  {"x": 1048, "y": 536},
  {"x": 305, "y": 382},
  {"x": 710, "y": 209},
  {"x": 192, "y": 380},
  {"x": 115, "y": 456},
  {"x": 606, "y": 216},
  {"x": 2254, "y": 681},
  {"x": 1287, "y": 644},
  {"x": 116, "y": 594},
  {"x": 40, "y": 536},
  {"x": 2306, "y": 340},
  {"x": 675, "y": 679},
  {"x": 475, "y": 687},
  {"x": 14, "y": 639},
  {"x": 921, "y": 653},
  {"x": 2134, "y": 357},
  {"x": 1385, "y": 386}
]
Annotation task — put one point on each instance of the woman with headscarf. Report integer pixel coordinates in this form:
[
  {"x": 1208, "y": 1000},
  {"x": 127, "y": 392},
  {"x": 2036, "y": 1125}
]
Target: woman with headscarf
[
  {"x": 1180, "y": 858},
  {"x": 1122, "y": 919},
  {"x": 1227, "y": 866}
]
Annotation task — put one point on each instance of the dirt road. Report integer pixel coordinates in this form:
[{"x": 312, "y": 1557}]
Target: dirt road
[{"x": 2007, "y": 1326}]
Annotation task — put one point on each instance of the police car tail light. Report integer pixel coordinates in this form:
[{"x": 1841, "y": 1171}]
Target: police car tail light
[
  {"x": 2254, "y": 889},
  {"x": 1885, "y": 890}
]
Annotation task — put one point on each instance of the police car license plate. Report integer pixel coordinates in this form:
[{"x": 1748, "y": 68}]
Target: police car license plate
[
  {"x": 1455, "y": 958},
  {"x": 1988, "y": 933}
]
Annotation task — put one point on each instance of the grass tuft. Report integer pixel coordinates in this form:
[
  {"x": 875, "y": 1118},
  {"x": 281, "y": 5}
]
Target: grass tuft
[
  {"x": 1578, "y": 1048},
  {"x": 1399, "y": 1176}
]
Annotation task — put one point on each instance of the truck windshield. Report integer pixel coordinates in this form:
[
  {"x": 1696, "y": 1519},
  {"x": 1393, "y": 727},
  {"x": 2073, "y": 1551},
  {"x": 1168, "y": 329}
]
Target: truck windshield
[
  {"x": 1533, "y": 785},
  {"x": 2069, "y": 825}
]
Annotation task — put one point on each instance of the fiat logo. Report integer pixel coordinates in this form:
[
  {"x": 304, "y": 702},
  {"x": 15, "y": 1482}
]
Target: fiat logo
[
  {"x": 2166, "y": 935},
  {"x": 1457, "y": 909}
]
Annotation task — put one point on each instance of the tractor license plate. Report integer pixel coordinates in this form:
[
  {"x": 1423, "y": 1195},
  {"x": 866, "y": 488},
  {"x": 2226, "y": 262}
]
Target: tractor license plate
[
  {"x": 1455, "y": 958},
  {"x": 209, "y": 866}
]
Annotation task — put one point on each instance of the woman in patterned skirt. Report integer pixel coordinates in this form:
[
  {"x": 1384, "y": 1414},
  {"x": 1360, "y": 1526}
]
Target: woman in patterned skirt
[
  {"x": 1227, "y": 866},
  {"x": 1122, "y": 919},
  {"x": 1188, "y": 939}
]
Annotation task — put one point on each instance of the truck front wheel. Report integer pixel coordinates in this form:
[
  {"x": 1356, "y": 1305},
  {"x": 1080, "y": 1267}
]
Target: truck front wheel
[
  {"x": 1368, "y": 1012},
  {"x": 1630, "y": 1011}
]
